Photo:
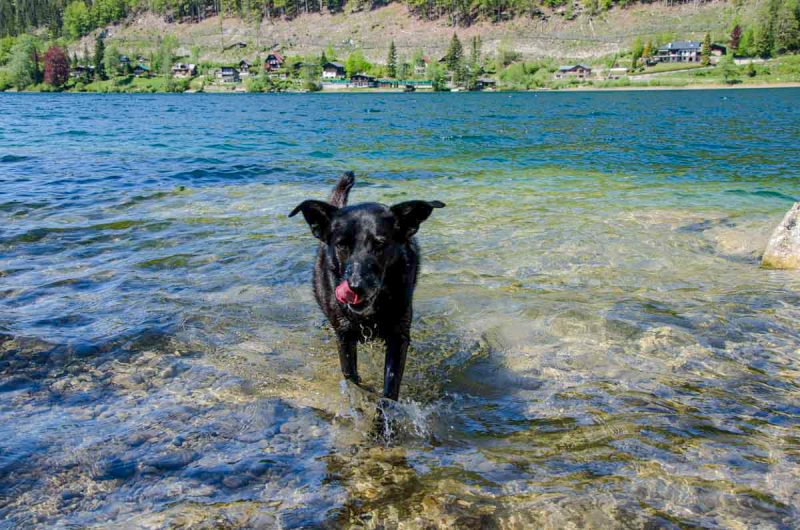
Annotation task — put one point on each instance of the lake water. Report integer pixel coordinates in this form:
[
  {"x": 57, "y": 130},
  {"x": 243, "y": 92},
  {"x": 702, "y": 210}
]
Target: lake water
[{"x": 594, "y": 343}]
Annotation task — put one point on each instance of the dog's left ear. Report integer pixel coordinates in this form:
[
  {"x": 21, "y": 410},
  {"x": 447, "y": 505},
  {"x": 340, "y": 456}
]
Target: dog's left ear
[
  {"x": 410, "y": 215},
  {"x": 318, "y": 215}
]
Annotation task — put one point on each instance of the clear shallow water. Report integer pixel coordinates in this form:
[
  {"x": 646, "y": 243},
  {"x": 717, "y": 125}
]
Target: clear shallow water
[{"x": 594, "y": 343}]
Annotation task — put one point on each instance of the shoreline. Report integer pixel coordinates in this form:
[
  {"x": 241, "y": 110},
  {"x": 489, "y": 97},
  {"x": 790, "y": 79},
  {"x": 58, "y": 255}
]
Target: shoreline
[
  {"x": 631, "y": 88},
  {"x": 705, "y": 86}
]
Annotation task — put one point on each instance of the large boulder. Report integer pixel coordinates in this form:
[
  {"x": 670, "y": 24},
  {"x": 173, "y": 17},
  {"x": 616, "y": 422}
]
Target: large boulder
[{"x": 783, "y": 249}]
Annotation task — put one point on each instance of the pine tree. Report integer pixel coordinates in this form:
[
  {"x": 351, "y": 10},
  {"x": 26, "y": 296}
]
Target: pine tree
[
  {"x": 786, "y": 29},
  {"x": 764, "y": 41},
  {"x": 745, "y": 47},
  {"x": 705, "y": 54},
  {"x": 730, "y": 72},
  {"x": 476, "y": 50},
  {"x": 391, "y": 61},
  {"x": 454, "y": 54},
  {"x": 99, "y": 55}
]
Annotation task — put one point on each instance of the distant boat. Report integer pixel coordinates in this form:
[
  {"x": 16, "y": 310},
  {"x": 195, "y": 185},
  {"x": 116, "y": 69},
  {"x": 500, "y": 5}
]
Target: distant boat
[{"x": 409, "y": 88}]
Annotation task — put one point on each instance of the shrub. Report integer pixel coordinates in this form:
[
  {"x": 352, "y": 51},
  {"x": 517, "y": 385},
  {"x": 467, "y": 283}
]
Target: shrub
[{"x": 5, "y": 80}]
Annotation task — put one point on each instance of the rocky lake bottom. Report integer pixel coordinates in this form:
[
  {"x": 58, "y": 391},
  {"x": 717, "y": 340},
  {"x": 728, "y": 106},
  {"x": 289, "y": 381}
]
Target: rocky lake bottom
[{"x": 595, "y": 343}]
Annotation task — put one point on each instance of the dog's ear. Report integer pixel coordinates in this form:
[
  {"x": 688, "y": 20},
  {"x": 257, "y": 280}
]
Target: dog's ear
[
  {"x": 318, "y": 215},
  {"x": 410, "y": 215}
]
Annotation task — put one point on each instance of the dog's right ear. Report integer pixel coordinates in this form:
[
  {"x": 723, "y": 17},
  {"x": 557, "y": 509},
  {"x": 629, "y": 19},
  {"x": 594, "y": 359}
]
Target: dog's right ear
[{"x": 318, "y": 215}]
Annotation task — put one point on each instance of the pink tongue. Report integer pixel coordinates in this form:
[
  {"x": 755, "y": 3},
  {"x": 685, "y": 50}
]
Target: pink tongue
[{"x": 345, "y": 295}]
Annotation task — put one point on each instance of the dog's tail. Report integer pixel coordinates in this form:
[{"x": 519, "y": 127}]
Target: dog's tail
[{"x": 342, "y": 189}]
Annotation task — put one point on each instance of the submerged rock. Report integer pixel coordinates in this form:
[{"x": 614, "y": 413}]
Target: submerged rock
[{"x": 783, "y": 249}]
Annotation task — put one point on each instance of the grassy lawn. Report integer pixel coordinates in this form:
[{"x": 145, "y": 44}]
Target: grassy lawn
[
  {"x": 669, "y": 67},
  {"x": 131, "y": 84},
  {"x": 784, "y": 69}
]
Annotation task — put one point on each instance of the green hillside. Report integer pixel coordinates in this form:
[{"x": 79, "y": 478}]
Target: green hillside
[{"x": 519, "y": 43}]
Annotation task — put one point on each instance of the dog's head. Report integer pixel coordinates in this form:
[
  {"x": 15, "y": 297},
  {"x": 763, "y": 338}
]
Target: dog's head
[{"x": 363, "y": 241}]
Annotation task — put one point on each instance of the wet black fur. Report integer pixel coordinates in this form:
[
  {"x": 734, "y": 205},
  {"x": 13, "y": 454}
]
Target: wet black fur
[{"x": 370, "y": 245}]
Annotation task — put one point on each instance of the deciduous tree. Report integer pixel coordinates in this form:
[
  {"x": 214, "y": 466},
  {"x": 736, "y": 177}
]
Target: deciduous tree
[
  {"x": 24, "y": 64},
  {"x": 736, "y": 38},
  {"x": 636, "y": 53},
  {"x": 111, "y": 62},
  {"x": 356, "y": 63},
  {"x": 76, "y": 21},
  {"x": 56, "y": 66}
]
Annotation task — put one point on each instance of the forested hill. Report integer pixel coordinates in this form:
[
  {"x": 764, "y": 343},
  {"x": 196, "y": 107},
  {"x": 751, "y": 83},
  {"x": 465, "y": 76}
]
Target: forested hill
[{"x": 73, "y": 18}]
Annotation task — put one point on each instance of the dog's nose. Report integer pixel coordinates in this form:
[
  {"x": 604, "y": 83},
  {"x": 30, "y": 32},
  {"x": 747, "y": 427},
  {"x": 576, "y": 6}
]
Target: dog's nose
[{"x": 356, "y": 283}]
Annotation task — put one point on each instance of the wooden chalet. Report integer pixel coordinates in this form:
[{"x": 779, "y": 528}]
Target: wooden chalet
[
  {"x": 228, "y": 74},
  {"x": 81, "y": 71},
  {"x": 363, "y": 81},
  {"x": 576, "y": 71},
  {"x": 274, "y": 61},
  {"x": 332, "y": 70},
  {"x": 244, "y": 68},
  {"x": 183, "y": 70},
  {"x": 485, "y": 84}
]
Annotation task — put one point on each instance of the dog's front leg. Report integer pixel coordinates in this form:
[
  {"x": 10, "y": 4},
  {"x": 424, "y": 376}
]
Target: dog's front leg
[
  {"x": 395, "y": 363},
  {"x": 348, "y": 354}
]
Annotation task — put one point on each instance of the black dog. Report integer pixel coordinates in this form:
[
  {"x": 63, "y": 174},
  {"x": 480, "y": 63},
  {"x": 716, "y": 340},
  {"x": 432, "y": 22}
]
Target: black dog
[{"x": 365, "y": 274}]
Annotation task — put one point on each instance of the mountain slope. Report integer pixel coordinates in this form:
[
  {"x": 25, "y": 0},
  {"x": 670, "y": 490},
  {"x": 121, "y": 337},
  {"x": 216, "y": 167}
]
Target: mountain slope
[{"x": 552, "y": 35}]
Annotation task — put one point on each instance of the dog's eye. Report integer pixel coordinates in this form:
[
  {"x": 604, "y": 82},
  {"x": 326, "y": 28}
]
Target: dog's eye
[{"x": 379, "y": 243}]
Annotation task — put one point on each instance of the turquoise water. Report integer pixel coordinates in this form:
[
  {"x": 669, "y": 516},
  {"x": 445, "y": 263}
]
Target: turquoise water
[{"x": 594, "y": 344}]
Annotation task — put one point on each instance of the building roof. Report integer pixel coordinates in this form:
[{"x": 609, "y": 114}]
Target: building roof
[
  {"x": 335, "y": 65},
  {"x": 365, "y": 76},
  {"x": 573, "y": 67},
  {"x": 277, "y": 55},
  {"x": 682, "y": 45}
]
